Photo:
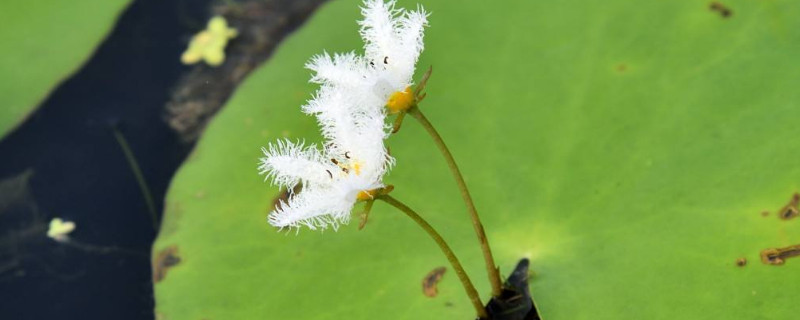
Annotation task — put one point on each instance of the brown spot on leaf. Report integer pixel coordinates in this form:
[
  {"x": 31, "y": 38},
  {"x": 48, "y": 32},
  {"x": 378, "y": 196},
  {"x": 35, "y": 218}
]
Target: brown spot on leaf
[
  {"x": 723, "y": 11},
  {"x": 765, "y": 213},
  {"x": 429, "y": 283},
  {"x": 790, "y": 210},
  {"x": 741, "y": 262},
  {"x": 285, "y": 195},
  {"x": 166, "y": 259},
  {"x": 778, "y": 256},
  {"x": 622, "y": 67}
]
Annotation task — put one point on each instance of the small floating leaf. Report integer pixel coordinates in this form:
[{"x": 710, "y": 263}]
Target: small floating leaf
[
  {"x": 209, "y": 44},
  {"x": 60, "y": 229}
]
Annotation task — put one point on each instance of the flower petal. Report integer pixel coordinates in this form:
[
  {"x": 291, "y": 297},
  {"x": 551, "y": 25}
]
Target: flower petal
[
  {"x": 314, "y": 208},
  {"x": 288, "y": 163},
  {"x": 346, "y": 70}
]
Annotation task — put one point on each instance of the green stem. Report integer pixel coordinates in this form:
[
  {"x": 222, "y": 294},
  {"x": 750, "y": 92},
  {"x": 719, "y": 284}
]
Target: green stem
[
  {"x": 462, "y": 275},
  {"x": 491, "y": 268},
  {"x": 137, "y": 173}
]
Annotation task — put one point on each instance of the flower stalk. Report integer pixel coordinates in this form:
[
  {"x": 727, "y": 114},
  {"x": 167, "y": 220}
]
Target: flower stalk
[
  {"x": 451, "y": 257},
  {"x": 491, "y": 268}
]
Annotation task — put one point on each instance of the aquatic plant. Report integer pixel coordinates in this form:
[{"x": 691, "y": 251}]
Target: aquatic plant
[{"x": 355, "y": 95}]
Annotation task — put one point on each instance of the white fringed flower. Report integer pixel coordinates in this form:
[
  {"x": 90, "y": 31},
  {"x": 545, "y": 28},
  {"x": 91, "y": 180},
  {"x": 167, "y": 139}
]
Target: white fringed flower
[
  {"x": 330, "y": 187},
  {"x": 392, "y": 44},
  {"x": 349, "y": 107}
]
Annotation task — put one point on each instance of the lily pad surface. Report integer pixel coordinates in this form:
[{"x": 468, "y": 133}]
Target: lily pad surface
[
  {"x": 45, "y": 41},
  {"x": 635, "y": 152}
]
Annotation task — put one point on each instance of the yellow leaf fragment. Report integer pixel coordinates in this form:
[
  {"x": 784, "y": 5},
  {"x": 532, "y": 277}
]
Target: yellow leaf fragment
[
  {"x": 59, "y": 229},
  {"x": 209, "y": 44}
]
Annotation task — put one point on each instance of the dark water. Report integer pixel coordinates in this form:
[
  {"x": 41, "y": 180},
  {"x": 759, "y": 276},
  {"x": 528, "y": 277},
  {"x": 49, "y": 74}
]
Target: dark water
[{"x": 67, "y": 163}]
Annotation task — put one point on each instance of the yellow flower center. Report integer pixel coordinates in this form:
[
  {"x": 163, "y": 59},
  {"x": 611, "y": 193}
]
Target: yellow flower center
[
  {"x": 401, "y": 101},
  {"x": 371, "y": 194},
  {"x": 365, "y": 195}
]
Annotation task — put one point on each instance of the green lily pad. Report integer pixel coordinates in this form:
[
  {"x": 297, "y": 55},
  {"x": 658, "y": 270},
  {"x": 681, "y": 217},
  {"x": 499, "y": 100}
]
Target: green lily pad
[
  {"x": 45, "y": 41},
  {"x": 627, "y": 148}
]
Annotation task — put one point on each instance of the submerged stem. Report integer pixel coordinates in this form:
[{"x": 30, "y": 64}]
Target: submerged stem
[
  {"x": 491, "y": 268},
  {"x": 462, "y": 275},
  {"x": 137, "y": 173}
]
